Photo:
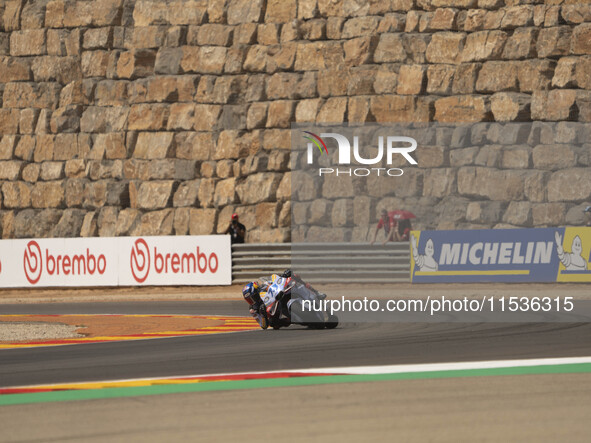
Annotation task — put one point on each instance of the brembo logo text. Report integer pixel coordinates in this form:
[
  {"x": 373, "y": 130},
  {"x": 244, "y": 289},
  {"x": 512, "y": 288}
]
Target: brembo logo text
[
  {"x": 60, "y": 264},
  {"x": 390, "y": 146},
  {"x": 144, "y": 261}
]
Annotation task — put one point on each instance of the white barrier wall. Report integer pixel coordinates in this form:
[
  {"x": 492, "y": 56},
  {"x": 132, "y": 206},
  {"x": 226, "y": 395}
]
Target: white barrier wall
[{"x": 116, "y": 261}]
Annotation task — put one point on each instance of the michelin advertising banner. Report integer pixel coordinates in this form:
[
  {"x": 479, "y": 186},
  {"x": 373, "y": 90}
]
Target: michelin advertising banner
[{"x": 501, "y": 255}]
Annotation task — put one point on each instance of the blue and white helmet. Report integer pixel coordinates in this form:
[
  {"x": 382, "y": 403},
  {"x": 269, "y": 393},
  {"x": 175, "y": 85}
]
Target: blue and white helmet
[{"x": 250, "y": 289}]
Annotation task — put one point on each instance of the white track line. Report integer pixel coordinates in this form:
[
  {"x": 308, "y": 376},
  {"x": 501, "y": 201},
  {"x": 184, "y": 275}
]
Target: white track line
[{"x": 368, "y": 370}]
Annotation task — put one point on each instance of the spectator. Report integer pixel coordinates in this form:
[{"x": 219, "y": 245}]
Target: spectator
[
  {"x": 387, "y": 222},
  {"x": 236, "y": 230},
  {"x": 587, "y": 212},
  {"x": 404, "y": 228}
]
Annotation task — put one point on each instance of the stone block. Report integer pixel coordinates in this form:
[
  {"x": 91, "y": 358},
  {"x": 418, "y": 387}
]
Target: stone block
[
  {"x": 28, "y": 42},
  {"x": 65, "y": 146},
  {"x": 202, "y": 221},
  {"x": 52, "y": 171},
  {"x": 564, "y": 75},
  {"x": 359, "y": 51},
  {"x": 154, "y": 145},
  {"x": 75, "y": 168},
  {"x": 31, "y": 95},
  {"x": 112, "y": 144},
  {"x": 66, "y": 119},
  {"x": 411, "y": 80},
  {"x": 393, "y": 108},
  {"x": 581, "y": 39},
  {"x": 518, "y": 16},
  {"x": 151, "y": 194},
  {"x": 554, "y": 41},
  {"x": 491, "y": 183},
  {"x": 181, "y": 221},
  {"x": 258, "y": 188},
  {"x": 535, "y": 75},
  {"x": 95, "y": 63},
  {"x": 25, "y": 148},
  {"x": 174, "y": 12},
  {"x": 44, "y": 148},
  {"x": 557, "y": 104},
  {"x": 146, "y": 37},
  {"x": 522, "y": 44},
  {"x": 9, "y": 121},
  {"x": 206, "y": 192},
  {"x": 553, "y": 157},
  {"x": 168, "y": 61},
  {"x": 583, "y": 72},
  {"x": 104, "y": 119},
  {"x": 97, "y": 38},
  {"x": 439, "y": 182},
  {"x": 13, "y": 69},
  {"x": 7, "y": 145},
  {"x": 204, "y": 59},
  {"x": 155, "y": 223},
  {"x": 483, "y": 46},
  {"x": 445, "y": 47},
  {"x": 516, "y": 158},
  {"x": 280, "y": 11},
  {"x": 111, "y": 93},
  {"x": 171, "y": 89},
  {"x": 232, "y": 144},
  {"x": 148, "y": 117},
  {"x": 518, "y": 213},
  {"x": 497, "y": 76},
  {"x": 136, "y": 63},
  {"x": 181, "y": 116},
  {"x": 548, "y": 214},
  {"x": 257, "y": 115},
  {"x": 469, "y": 108},
  {"x": 48, "y": 194},
  {"x": 439, "y": 79},
  {"x": 244, "y": 11},
  {"x": 280, "y": 114},
  {"x": 342, "y": 213},
  {"x": 16, "y": 195},
  {"x": 333, "y": 110},
  {"x": 194, "y": 145},
  {"x": 225, "y": 192},
  {"x": 510, "y": 106},
  {"x": 390, "y": 48}
]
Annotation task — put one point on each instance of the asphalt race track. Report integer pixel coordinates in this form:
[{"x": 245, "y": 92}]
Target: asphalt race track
[{"x": 356, "y": 344}]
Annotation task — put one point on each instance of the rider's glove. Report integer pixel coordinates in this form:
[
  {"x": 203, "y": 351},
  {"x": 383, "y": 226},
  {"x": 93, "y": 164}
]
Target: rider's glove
[{"x": 257, "y": 308}]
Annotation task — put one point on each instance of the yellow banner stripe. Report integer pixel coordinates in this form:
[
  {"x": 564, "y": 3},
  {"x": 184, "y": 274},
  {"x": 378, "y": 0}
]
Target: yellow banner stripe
[{"x": 501, "y": 272}]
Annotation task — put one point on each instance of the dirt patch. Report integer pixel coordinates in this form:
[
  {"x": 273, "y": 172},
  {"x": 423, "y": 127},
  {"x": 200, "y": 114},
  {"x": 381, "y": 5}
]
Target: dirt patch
[
  {"x": 114, "y": 325},
  {"x": 140, "y": 293}
]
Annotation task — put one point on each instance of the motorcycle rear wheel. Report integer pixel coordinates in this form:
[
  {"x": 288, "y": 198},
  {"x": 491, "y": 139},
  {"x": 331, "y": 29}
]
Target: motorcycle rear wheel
[{"x": 333, "y": 322}]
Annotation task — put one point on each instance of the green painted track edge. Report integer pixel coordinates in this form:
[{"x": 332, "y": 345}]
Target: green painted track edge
[{"x": 163, "y": 388}]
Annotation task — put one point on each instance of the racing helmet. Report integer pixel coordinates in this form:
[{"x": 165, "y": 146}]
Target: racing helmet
[
  {"x": 251, "y": 293},
  {"x": 250, "y": 289},
  {"x": 286, "y": 273}
]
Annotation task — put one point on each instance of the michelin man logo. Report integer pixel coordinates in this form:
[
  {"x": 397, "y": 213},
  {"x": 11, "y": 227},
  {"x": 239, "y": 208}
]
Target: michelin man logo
[
  {"x": 572, "y": 261},
  {"x": 425, "y": 262}
]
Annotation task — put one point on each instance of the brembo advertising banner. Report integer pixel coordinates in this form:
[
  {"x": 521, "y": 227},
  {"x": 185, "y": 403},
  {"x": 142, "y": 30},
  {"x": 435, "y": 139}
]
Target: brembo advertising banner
[
  {"x": 502, "y": 255},
  {"x": 182, "y": 260},
  {"x": 116, "y": 261}
]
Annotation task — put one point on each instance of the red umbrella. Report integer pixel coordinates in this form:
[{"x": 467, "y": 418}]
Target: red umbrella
[{"x": 402, "y": 215}]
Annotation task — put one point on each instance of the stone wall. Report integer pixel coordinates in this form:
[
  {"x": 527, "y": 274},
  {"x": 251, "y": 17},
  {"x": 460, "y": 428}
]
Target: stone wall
[{"x": 136, "y": 117}]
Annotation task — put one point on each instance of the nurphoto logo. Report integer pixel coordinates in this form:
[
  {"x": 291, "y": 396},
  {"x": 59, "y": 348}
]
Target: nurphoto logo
[{"x": 386, "y": 145}]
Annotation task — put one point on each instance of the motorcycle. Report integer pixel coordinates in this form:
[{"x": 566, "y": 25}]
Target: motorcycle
[{"x": 287, "y": 301}]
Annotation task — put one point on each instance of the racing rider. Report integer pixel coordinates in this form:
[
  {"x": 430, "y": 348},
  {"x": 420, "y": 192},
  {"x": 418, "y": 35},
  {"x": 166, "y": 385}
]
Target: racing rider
[{"x": 252, "y": 293}]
